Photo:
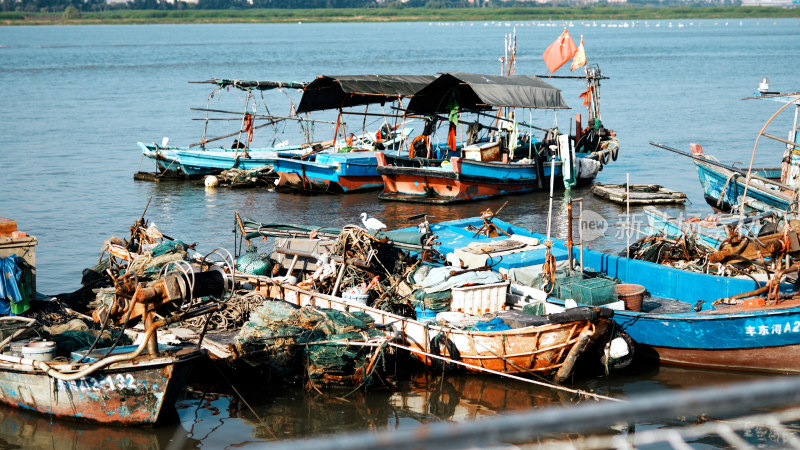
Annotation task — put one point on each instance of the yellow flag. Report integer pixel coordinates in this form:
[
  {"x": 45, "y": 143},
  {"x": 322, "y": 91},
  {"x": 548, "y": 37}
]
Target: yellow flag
[{"x": 580, "y": 57}]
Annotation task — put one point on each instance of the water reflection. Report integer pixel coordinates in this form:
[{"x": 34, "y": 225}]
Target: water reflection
[
  {"x": 19, "y": 429},
  {"x": 278, "y": 412}
]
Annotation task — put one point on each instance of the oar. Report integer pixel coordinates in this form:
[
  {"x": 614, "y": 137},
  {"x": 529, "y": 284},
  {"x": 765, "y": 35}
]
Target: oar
[{"x": 724, "y": 166}]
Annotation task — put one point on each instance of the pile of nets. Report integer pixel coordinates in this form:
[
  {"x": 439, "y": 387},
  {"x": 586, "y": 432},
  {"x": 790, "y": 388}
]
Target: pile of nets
[
  {"x": 326, "y": 344},
  {"x": 254, "y": 263},
  {"x": 149, "y": 263}
]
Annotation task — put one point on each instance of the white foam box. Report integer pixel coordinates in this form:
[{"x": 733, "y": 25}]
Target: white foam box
[{"x": 479, "y": 299}]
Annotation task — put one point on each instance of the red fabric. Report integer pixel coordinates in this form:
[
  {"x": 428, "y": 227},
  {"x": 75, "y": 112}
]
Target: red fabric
[
  {"x": 559, "y": 52},
  {"x": 451, "y": 137},
  {"x": 586, "y": 95},
  {"x": 248, "y": 126}
]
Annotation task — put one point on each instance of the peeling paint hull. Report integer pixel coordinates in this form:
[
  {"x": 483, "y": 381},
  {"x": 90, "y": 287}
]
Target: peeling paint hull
[
  {"x": 129, "y": 393},
  {"x": 544, "y": 350}
]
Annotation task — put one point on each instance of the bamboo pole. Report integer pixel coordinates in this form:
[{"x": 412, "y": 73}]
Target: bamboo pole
[
  {"x": 262, "y": 116},
  {"x": 231, "y": 134}
]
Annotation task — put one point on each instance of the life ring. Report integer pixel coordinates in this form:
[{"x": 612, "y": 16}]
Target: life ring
[{"x": 438, "y": 341}]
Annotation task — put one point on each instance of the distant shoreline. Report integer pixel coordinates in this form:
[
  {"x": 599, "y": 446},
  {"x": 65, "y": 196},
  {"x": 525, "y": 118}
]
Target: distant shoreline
[{"x": 515, "y": 14}]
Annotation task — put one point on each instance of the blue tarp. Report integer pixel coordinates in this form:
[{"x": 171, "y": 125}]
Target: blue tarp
[
  {"x": 9, "y": 283},
  {"x": 495, "y": 324}
]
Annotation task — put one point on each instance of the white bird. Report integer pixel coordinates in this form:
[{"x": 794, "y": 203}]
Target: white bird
[{"x": 372, "y": 223}]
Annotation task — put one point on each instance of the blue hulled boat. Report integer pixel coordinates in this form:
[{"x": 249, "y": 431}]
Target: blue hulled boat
[
  {"x": 686, "y": 318},
  {"x": 330, "y": 172},
  {"x": 352, "y": 166},
  {"x": 757, "y": 189},
  {"x": 505, "y": 160}
]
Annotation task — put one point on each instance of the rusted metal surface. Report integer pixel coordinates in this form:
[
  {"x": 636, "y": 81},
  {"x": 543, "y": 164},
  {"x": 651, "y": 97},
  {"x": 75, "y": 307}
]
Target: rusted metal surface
[
  {"x": 543, "y": 349},
  {"x": 125, "y": 393}
]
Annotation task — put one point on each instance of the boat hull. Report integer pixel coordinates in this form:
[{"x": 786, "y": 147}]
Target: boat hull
[
  {"x": 784, "y": 359},
  {"x": 550, "y": 349},
  {"x": 338, "y": 173},
  {"x": 457, "y": 180},
  {"x": 123, "y": 393},
  {"x": 765, "y": 338},
  {"x": 723, "y": 189}
]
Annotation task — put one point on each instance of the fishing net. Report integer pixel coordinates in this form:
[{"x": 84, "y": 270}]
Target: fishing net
[
  {"x": 254, "y": 263},
  {"x": 74, "y": 340},
  {"x": 436, "y": 301},
  {"x": 323, "y": 341}
]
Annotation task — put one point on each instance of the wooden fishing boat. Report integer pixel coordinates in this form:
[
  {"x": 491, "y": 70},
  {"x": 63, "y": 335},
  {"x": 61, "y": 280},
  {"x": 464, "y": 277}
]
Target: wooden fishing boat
[
  {"x": 638, "y": 194},
  {"x": 685, "y": 323},
  {"x": 456, "y": 179},
  {"x": 352, "y": 166},
  {"x": 128, "y": 389},
  {"x": 687, "y": 318},
  {"x": 333, "y": 172},
  {"x": 514, "y": 165},
  {"x": 712, "y": 230},
  {"x": 127, "y": 385},
  {"x": 211, "y": 162},
  {"x": 516, "y": 342},
  {"x": 548, "y": 349},
  {"x": 756, "y": 189},
  {"x": 191, "y": 161}
]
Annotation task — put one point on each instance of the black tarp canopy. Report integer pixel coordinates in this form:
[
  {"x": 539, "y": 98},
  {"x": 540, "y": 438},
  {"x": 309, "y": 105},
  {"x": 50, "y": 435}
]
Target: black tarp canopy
[
  {"x": 246, "y": 85},
  {"x": 478, "y": 92},
  {"x": 334, "y": 92}
]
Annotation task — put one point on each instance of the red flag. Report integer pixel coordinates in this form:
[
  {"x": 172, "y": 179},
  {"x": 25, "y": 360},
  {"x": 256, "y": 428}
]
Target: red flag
[
  {"x": 587, "y": 95},
  {"x": 559, "y": 52}
]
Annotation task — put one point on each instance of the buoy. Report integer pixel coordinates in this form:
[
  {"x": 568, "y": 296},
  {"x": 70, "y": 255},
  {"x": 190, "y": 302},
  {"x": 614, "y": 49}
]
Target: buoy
[{"x": 211, "y": 181}]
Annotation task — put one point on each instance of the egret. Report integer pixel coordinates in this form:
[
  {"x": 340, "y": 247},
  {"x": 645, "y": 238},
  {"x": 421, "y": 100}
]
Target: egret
[{"x": 372, "y": 223}]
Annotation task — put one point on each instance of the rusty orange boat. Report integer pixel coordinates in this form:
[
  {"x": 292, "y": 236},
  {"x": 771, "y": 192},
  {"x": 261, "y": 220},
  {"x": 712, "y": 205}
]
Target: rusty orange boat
[{"x": 548, "y": 349}]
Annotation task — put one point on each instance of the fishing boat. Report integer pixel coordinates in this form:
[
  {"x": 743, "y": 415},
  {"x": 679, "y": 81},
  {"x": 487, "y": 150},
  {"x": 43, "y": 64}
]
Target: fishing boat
[
  {"x": 352, "y": 166},
  {"x": 728, "y": 188},
  {"x": 713, "y": 230},
  {"x": 200, "y": 158},
  {"x": 53, "y": 374},
  {"x": 338, "y": 173},
  {"x": 547, "y": 345},
  {"x": 550, "y": 348},
  {"x": 128, "y": 388},
  {"x": 675, "y": 316},
  {"x": 638, "y": 194},
  {"x": 500, "y": 162},
  {"x": 129, "y": 385}
]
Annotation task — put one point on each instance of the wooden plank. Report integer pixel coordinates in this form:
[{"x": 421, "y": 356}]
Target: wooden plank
[{"x": 216, "y": 349}]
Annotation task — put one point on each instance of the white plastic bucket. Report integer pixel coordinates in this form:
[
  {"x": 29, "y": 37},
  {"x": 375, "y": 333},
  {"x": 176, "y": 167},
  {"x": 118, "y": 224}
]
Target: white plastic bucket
[
  {"x": 39, "y": 350},
  {"x": 356, "y": 297}
]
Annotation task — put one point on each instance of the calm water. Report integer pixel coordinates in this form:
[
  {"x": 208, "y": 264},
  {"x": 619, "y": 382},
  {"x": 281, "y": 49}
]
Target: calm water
[{"x": 77, "y": 99}]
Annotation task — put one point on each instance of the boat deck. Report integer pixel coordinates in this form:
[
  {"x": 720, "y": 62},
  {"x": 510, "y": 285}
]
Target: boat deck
[{"x": 656, "y": 305}]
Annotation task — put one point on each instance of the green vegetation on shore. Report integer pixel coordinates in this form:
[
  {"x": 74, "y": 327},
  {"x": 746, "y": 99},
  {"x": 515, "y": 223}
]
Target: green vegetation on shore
[{"x": 537, "y": 13}]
